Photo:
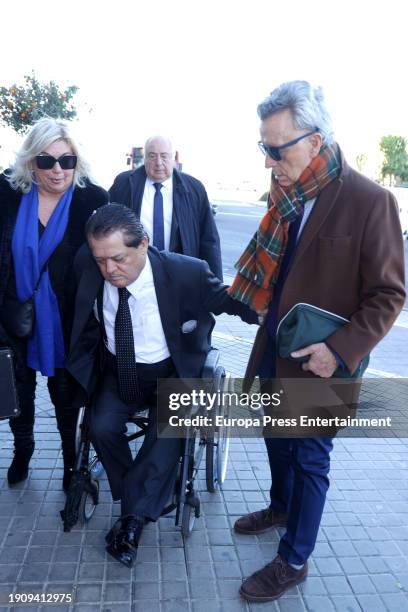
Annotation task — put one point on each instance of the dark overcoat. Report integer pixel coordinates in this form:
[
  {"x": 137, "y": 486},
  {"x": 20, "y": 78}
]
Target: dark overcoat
[{"x": 193, "y": 230}]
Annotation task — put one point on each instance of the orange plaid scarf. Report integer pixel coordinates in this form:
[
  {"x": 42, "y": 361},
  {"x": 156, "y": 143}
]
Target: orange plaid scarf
[{"x": 259, "y": 265}]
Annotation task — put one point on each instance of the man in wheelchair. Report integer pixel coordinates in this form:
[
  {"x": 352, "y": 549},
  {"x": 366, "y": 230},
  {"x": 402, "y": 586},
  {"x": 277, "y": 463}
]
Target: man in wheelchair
[{"x": 140, "y": 315}]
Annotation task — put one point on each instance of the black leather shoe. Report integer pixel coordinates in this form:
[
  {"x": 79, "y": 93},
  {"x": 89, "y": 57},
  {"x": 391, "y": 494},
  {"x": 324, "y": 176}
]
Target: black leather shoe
[
  {"x": 123, "y": 546},
  {"x": 113, "y": 532},
  {"x": 18, "y": 470}
]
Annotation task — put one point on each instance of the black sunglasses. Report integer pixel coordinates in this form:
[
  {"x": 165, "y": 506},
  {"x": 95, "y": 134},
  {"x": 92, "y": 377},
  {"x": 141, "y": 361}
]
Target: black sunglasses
[
  {"x": 274, "y": 152},
  {"x": 46, "y": 162}
]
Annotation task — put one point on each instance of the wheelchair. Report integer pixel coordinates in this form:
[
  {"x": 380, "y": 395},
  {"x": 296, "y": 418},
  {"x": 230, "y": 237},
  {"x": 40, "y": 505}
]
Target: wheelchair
[{"x": 211, "y": 443}]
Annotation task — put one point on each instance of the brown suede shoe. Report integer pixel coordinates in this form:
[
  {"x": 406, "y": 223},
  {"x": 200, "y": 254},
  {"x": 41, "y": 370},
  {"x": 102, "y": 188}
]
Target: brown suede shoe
[
  {"x": 260, "y": 521},
  {"x": 272, "y": 581}
]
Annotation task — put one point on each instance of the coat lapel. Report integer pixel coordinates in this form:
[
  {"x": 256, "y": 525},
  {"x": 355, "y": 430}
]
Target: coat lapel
[
  {"x": 167, "y": 300},
  {"x": 181, "y": 219},
  {"x": 321, "y": 210},
  {"x": 137, "y": 184},
  {"x": 174, "y": 228}
]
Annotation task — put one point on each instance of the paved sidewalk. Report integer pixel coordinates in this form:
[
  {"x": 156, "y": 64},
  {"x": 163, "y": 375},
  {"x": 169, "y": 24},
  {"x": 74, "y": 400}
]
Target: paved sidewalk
[{"x": 360, "y": 561}]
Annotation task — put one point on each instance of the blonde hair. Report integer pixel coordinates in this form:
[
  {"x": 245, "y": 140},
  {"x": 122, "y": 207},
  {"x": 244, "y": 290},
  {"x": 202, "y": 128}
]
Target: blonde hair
[{"x": 44, "y": 132}]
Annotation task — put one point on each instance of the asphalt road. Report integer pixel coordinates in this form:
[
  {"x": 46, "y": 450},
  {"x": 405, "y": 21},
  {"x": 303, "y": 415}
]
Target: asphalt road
[{"x": 236, "y": 224}]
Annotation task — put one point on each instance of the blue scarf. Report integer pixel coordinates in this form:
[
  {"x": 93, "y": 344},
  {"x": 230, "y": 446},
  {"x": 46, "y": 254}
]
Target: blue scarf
[{"x": 46, "y": 346}]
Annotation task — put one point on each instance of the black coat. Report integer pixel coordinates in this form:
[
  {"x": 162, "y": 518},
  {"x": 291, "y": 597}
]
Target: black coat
[
  {"x": 186, "y": 290},
  {"x": 60, "y": 266},
  {"x": 193, "y": 229}
]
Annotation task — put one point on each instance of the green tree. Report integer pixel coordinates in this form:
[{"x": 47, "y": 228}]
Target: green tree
[
  {"x": 395, "y": 164},
  {"x": 22, "y": 105}
]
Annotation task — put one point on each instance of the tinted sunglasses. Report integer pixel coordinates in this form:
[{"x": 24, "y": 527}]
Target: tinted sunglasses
[
  {"x": 274, "y": 152},
  {"x": 46, "y": 162}
]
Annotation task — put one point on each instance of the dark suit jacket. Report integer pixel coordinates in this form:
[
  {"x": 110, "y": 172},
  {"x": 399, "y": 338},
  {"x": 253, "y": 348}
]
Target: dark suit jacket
[
  {"x": 186, "y": 290},
  {"x": 350, "y": 261},
  {"x": 193, "y": 230}
]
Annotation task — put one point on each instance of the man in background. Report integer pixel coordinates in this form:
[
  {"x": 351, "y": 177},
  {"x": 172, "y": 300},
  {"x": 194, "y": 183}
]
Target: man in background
[{"x": 172, "y": 206}]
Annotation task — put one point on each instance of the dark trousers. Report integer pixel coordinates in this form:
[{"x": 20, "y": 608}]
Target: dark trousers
[
  {"x": 61, "y": 388},
  {"x": 299, "y": 470},
  {"x": 144, "y": 484}
]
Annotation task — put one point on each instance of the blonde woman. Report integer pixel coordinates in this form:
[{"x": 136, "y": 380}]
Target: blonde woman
[{"x": 45, "y": 201}]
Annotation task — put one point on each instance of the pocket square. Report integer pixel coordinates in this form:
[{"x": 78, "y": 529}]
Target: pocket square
[{"x": 189, "y": 326}]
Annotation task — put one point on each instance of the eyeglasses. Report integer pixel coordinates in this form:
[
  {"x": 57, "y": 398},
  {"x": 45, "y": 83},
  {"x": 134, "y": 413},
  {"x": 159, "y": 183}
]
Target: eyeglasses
[
  {"x": 274, "y": 152},
  {"x": 46, "y": 162}
]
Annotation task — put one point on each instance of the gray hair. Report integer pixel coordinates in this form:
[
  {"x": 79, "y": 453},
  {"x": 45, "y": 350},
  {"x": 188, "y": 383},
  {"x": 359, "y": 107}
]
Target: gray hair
[
  {"x": 162, "y": 137},
  {"x": 306, "y": 105},
  {"x": 43, "y": 133}
]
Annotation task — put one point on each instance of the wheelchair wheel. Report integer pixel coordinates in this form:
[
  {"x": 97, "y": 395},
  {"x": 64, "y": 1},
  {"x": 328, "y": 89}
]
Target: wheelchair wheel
[
  {"x": 190, "y": 512},
  {"x": 78, "y": 428},
  {"x": 217, "y": 443},
  {"x": 88, "y": 502},
  {"x": 189, "y": 503},
  {"x": 95, "y": 466}
]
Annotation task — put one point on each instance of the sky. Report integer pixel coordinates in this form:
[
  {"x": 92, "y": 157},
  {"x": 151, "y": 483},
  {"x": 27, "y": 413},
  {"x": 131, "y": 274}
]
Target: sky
[{"x": 197, "y": 70}]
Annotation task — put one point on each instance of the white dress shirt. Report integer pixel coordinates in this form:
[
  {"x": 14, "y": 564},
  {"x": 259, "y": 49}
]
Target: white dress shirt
[
  {"x": 146, "y": 211},
  {"x": 148, "y": 334},
  {"x": 306, "y": 214}
]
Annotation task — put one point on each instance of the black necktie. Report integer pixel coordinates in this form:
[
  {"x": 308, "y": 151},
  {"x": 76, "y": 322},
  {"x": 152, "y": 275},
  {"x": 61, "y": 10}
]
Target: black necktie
[
  {"x": 125, "y": 349},
  {"x": 158, "y": 220}
]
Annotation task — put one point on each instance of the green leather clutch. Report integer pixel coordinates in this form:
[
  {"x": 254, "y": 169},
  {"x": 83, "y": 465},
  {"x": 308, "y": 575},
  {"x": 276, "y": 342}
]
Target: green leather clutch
[{"x": 306, "y": 324}]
